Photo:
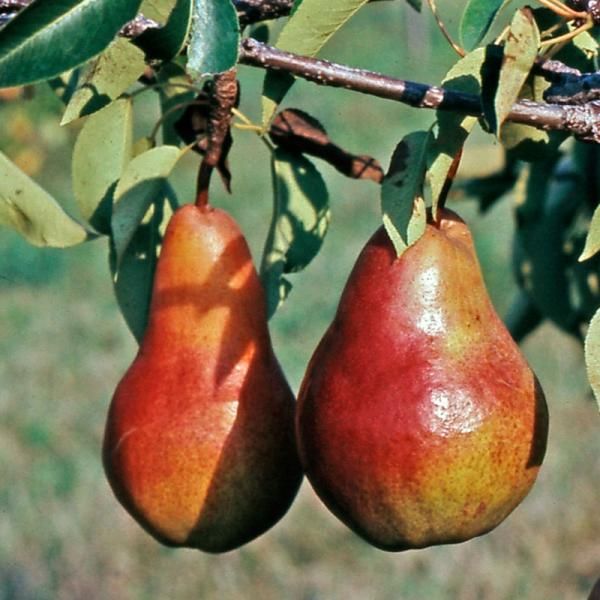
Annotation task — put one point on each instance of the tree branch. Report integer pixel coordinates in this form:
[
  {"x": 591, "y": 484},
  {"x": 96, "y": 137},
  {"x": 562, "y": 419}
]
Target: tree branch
[
  {"x": 253, "y": 11},
  {"x": 581, "y": 121}
]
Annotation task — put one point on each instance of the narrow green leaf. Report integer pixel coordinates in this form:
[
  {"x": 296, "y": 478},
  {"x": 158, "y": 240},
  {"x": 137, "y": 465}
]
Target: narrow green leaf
[
  {"x": 477, "y": 18},
  {"x": 311, "y": 25},
  {"x": 592, "y": 355},
  {"x": 528, "y": 143},
  {"x": 65, "y": 85},
  {"x": 214, "y": 38},
  {"x": 102, "y": 150},
  {"x": 32, "y": 212},
  {"x": 50, "y": 37},
  {"x": 174, "y": 92},
  {"x": 300, "y": 222},
  {"x": 453, "y": 129},
  {"x": 142, "y": 145},
  {"x": 403, "y": 207},
  {"x": 520, "y": 52},
  {"x": 109, "y": 75},
  {"x": 141, "y": 184},
  {"x": 134, "y": 276},
  {"x": 592, "y": 240},
  {"x": 525, "y": 142},
  {"x": 553, "y": 192},
  {"x": 168, "y": 41}
]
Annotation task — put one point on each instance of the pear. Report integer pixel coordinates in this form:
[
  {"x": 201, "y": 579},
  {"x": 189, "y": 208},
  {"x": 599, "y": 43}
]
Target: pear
[
  {"x": 419, "y": 422},
  {"x": 199, "y": 444}
]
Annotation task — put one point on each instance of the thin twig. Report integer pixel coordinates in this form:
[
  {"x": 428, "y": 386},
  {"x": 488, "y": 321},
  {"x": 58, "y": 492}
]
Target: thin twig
[
  {"x": 581, "y": 121},
  {"x": 442, "y": 27},
  {"x": 567, "y": 37},
  {"x": 562, "y": 9}
]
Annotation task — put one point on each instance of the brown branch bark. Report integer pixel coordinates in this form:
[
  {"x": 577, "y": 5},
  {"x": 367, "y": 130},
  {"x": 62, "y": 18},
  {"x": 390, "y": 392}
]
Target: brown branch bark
[
  {"x": 583, "y": 121},
  {"x": 254, "y": 11}
]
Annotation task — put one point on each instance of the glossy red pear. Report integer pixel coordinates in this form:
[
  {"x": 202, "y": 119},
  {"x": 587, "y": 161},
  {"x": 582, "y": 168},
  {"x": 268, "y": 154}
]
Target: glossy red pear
[
  {"x": 199, "y": 444},
  {"x": 419, "y": 421}
]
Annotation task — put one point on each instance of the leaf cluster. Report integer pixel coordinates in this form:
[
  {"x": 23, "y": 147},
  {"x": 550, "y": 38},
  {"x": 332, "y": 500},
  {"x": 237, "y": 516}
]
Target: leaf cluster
[{"x": 85, "y": 52}]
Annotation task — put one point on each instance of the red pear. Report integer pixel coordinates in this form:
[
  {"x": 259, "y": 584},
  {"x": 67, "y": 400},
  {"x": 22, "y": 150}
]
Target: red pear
[
  {"x": 199, "y": 444},
  {"x": 419, "y": 421}
]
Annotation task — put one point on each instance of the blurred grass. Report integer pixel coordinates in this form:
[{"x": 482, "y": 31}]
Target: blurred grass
[{"x": 64, "y": 346}]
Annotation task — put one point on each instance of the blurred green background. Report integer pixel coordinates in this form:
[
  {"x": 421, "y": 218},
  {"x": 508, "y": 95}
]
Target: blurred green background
[{"x": 64, "y": 346}]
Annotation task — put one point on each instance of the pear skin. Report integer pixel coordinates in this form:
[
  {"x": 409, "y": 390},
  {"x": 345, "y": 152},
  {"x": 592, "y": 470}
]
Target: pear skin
[
  {"x": 199, "y": 443},
  {"x": 419, "y": 422}
]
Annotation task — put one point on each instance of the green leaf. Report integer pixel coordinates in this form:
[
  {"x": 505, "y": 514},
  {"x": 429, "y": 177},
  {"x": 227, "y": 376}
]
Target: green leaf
[
  {"x": 65, "y": 85},
  {"x": 403, "y": 207},
  {"x": 477, "y": 18},
  {"x": 507, "y": 68},
  {"x": 525, "y": 142},
  {"x": 520, "y": 52},
  {"x": 214, "y": 38},
  {"x": 314, "y": 23},
  {"x": 416, "y": 4},
  {"x": 174, "y": 92},
  {"x": 102, "y": 150},
  {"x": 32, "y": 212},
  {"x": 168, "y": 41},
  {"x": 453, "y": 129},
  {"x": 592, "y": 240},
  {"x": 141, "y": 184},
  {"x": 528, "y": 143},
  {"x": 300, "y": 222},
  {"x": 107, "y": 78},
  {"x": 157, "y": 10},
  {"x": 311, "y": 25},
  {"x": 134, "y": 276},
  {"x": 553, "y": 192},
  {"x": 592, "y": 355},
  {"x": 50, "y": 37}
]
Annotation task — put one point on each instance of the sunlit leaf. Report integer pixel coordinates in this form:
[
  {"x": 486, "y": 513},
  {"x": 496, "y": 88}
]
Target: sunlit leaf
[
  {"x": 311, "y": 25},
  {"x": 142, "y": 182},
  {"x": 403, "y": 207},
  {"x": 592, "y": 241},
  {"x": 107, "y": 77},
  {"x": 134, "y": 275},
  {"x": 102, "y": 150},
  {"x": 507, "y": 68},
  {"x": 300, "y": 222},
  {"x": 592, "y": 355},
  {"x": 32, "y": 212},
  {"x": 452, "y": 128},
  {"x": 158, "y": 10}
]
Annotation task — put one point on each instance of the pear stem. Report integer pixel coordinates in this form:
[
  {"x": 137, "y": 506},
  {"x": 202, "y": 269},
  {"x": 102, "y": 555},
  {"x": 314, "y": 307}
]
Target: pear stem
[
  {"x": 204, "y": 174},
  {"x": 449, "y": 179}
]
